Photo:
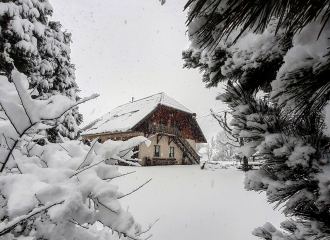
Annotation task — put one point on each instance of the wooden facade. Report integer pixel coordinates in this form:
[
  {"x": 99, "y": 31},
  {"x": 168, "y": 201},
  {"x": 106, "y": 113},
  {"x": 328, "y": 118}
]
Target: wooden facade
[{"x": 166, "y": 116}]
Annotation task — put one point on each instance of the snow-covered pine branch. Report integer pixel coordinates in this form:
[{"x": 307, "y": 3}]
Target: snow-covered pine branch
[{"x": 273, "y": 58}]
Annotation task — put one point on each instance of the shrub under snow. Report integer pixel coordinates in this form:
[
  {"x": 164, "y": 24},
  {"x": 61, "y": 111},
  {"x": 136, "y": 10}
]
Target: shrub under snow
[{"x": 56, "y": 191}]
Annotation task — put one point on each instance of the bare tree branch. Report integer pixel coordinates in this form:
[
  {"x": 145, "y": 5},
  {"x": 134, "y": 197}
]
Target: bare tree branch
[
  {"x": 108, "y": 179},
  {"x": 88, "y": 153},
  {"x": 12, "y": 224},
  {"x": 12, "y": 149},
  {"x": 11, "y": 122},
  {"x": 73, "y": 106},
  {"x": 20, "y": 97},
  {"x": 27, "y": 145},
  {"x": 76, "y": 223},
  {"x": 150, "y": 226},
  {"x": 65, "y": 149},
  {"x": 227, "y": 143},
  {"x": 86, "y": 168},
  {"x": 129, "y": 149},
  {"x": 135, "y": 189},
  {"x": 225, "y": 126},
  {"x": 105, "y": 206},
  {"x": 6, "y": 140}
]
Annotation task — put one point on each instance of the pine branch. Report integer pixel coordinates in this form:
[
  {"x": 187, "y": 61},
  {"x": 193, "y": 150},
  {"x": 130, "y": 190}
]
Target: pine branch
[{"x": 252, "y": 15}]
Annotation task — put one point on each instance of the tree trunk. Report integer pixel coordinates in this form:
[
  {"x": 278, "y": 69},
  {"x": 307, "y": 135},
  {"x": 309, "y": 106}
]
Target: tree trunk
[{"x": 245, "y": 166}]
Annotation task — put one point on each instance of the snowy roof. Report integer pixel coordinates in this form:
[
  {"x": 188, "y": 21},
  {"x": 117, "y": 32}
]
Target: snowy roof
[{"x": 126, "y": 116}]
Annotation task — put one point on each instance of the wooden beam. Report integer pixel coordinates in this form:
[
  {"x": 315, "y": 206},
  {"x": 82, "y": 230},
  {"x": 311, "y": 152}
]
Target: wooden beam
[
  {"x": 159, "y": 137},
  {"x": 170, "y": 139}
]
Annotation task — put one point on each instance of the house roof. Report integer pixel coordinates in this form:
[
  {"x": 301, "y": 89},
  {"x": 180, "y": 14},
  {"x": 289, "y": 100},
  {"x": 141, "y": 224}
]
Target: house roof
[{"x": 126, "y": 116}]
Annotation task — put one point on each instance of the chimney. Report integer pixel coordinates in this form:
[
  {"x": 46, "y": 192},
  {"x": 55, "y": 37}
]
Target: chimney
[{"x": 132, "y": 99}]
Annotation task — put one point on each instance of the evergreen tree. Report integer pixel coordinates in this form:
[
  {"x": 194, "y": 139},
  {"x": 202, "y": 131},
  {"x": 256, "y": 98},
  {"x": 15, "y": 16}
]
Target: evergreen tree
[
  {"x": 278, "y": 49},
  {"x": 41, "y": 50}
]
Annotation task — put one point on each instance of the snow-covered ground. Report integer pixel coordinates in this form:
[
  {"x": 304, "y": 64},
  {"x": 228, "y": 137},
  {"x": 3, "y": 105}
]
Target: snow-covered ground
[{"x": 194, "y": 204}]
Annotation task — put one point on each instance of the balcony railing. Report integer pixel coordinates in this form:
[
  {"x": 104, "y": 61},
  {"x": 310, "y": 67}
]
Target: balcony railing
[{"x": 161, "y": 128}]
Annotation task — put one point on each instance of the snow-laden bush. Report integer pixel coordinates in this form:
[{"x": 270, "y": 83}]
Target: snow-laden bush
[{"x": 56, "y": 191}]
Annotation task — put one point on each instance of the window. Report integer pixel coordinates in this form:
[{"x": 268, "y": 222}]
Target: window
[
  {"x": 156, "y": 150},
  {"x": 171, "y": 152}
]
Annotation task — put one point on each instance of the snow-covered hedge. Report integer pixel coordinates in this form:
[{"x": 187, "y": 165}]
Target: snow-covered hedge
[{"x": 56, "y": 191}]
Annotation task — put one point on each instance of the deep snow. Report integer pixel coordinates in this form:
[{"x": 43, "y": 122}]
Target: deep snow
[{"x": 194, "y": 204}]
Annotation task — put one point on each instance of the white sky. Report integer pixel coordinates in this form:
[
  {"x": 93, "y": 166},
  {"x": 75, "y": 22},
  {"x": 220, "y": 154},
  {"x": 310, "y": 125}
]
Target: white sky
[{"x": 129, "y": 48}]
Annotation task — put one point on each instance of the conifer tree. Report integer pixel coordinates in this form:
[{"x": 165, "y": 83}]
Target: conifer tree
[
  {"x": 39, "y": 48},
  {"x": 278, "y": 50}
]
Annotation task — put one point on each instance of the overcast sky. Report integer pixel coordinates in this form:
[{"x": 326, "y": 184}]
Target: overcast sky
[{"x": 129, "y": 48}]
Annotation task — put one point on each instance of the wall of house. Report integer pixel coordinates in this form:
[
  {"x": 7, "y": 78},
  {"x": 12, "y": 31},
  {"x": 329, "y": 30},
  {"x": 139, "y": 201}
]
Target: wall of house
[
  {"x": 145, "y": 151},
  {"x": 192, "y": 143}
]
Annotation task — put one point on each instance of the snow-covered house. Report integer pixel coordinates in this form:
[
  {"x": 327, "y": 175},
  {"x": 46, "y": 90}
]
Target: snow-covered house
[{"x": 170, "y": 126}]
